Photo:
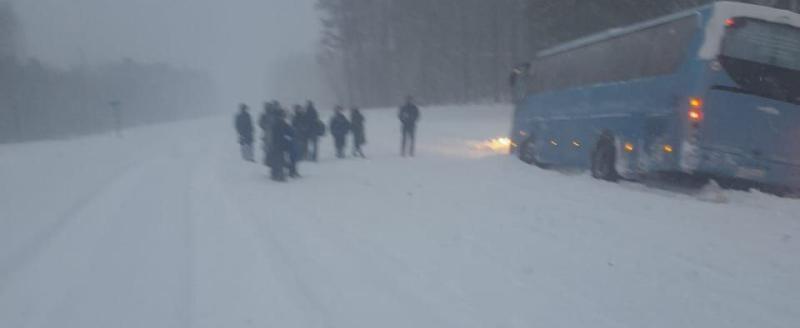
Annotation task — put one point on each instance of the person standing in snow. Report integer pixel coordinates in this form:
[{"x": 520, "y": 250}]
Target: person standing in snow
[
  {"x": 409, "y": 115},
  {"x": 302, "y": 131},
  {"x": 316, "y": 130},
  {"x": 280, "y": 148},
  {"x": 340, "y": 127},
  {"x": 265, "y": 123},
  {"x": 244, "y": 126},
  {"x": 359, "y": 133}
]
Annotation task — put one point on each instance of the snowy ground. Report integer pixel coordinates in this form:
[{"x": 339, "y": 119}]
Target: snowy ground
[{"x": 167, "y": 228}]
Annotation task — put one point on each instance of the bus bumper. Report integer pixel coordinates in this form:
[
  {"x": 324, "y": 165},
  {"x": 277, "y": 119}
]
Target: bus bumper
[
  {"x": 725, "y": 165},
  {"x": 705, "y": 162}
]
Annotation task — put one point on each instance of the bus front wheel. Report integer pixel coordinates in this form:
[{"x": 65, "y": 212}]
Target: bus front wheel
[
  {"x": 527, "y": 152},
  {"x": 604, "y": 160}
]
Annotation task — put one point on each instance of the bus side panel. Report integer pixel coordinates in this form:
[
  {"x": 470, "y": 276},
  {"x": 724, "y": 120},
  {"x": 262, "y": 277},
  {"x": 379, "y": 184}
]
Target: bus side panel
[
  {"x": 569, "y": 123},
  {"x": 647, "y": 113}
]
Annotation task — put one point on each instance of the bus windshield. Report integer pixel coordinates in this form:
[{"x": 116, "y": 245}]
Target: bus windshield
[{"x": 763, "y": 58}]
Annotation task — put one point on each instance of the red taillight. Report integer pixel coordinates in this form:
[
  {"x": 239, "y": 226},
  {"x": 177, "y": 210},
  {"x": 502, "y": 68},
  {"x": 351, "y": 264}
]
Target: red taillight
[
  {"x": 696, "y": 110},
  {"x": 730, "y": 22},
  {"x": 695, "y": 115}
]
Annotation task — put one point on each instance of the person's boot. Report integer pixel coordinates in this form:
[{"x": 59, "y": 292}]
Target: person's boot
[
  {"x": 293, "y": 173},
  {"x": 278, "y": 176}
]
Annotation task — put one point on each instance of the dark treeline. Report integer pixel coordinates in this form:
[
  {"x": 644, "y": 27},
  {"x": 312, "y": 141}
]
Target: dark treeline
[
  {"x": 38, "y": 101},
  {"x": 457, "y": 51}
]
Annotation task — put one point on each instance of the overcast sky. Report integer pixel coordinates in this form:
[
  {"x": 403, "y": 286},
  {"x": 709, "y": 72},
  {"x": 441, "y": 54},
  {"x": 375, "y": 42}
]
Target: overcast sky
[{"x": 235, "y": 40}]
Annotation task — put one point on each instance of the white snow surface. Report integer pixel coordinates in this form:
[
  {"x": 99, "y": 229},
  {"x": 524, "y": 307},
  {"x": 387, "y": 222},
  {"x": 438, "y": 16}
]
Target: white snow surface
[{"x": 167, "y": 227}]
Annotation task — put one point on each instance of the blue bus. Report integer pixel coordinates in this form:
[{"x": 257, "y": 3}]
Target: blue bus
[{"x": 712, "y": 92}]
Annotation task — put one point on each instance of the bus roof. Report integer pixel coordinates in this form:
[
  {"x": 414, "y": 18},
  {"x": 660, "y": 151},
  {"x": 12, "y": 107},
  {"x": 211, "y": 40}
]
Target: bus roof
[
  {"x": 618, "y": 31},
  {"x": 714, "y": 30}
]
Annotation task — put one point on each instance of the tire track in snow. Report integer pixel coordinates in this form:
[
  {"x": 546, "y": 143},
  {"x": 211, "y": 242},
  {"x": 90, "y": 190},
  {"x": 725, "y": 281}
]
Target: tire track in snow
[
  {"x": 308, "y": 248},
  {"x": 35, "y": 246},
  {"x": 76, "y": 272},
  {"x": 291, "y": 274}
]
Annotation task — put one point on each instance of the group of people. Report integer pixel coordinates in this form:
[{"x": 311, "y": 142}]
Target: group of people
[{"x": 287, "y": 141}]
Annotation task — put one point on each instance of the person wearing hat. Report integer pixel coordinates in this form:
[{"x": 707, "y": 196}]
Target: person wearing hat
[
  {"x": 244, "y": 127},
  {"x": 340, "y": 127},
  {"x": 280, "y": 151},
  {"x": 316, "y": 131},
  {"x": 359, "y": 133},
  {"x": 409, "y": 116}
]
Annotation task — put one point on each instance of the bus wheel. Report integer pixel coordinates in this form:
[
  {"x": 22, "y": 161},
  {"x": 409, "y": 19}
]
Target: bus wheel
[
  {"x": 527, "y": 152},
  {"x": 604, "y": 160}
]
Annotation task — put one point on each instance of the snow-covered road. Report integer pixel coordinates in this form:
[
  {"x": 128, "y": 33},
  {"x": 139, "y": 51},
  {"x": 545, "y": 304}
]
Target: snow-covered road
[{"x": 168, "y": 228}]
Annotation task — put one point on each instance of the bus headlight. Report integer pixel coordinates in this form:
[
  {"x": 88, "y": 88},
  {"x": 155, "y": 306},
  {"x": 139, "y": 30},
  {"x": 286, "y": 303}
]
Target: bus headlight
[{"x": 505, "y": 142}]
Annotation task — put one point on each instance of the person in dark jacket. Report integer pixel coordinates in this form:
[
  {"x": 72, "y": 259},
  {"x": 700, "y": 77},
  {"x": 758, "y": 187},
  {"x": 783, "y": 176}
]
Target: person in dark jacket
[
  {"x": 244, "y": 127},
  {"x": 359, "y": 135},
  {"x": 281, "y": 148},
  {"x": 317, "y": 129},
  {"x": 265, "y": 123},
  {"x": 340, "y": 127},
  {"x": 409, "y": 116},
  {"x": 302, "y": 130}
]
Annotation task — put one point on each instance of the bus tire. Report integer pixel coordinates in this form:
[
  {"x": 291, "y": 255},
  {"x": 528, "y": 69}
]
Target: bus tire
[
  {"x": 604, "y": 160},
  {"x": 527, "y": 152}
]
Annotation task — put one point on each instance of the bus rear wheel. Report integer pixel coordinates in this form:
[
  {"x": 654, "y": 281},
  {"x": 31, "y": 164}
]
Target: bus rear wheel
[{"x": 604, "y": 160}]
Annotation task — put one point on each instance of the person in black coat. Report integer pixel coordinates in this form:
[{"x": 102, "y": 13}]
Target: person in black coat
[
  {"x": 265, "y": 122},
  {"x": 244, "y": 127},
  {"x": 317, "y": 129},
  {"x": 340, "y": 127},
  {"x": 302, "y": 130},
  {"x": 281, "y": 148},
  {"x": 409, "y": 116},
  {"x": 359, "y": 135}
]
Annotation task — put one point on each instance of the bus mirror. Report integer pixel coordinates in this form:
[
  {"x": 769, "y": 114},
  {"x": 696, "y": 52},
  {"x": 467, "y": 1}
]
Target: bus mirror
[
  {"x": 519, "y": 73},
  {"x": 518, "y": 81}
]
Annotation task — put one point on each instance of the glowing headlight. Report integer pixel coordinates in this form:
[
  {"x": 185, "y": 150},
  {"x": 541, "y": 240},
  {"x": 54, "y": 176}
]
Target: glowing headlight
[
  {"x": 503, "y": 141},
  {"x": 500, "y": 145}
]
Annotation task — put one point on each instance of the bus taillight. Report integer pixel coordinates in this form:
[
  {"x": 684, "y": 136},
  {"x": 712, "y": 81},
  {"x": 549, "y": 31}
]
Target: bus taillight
[
  {"x": 696, "y": 110},
  {"x": 735, "y": 23},
  {"x": 730, "y": 22},
  {"x": 696, "y": 115},
  {"x": 696, "y": 102}
]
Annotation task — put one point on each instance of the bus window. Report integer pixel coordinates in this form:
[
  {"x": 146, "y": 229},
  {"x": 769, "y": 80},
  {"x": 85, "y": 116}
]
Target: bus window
[
  {"x": 655, "y": 51},
  {"x": 763, "y": 58}
]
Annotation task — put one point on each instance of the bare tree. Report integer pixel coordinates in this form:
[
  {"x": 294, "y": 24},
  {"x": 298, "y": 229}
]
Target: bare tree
[
  {"x": 455, "y": 51},
  {"x": 38, "y": 101}
]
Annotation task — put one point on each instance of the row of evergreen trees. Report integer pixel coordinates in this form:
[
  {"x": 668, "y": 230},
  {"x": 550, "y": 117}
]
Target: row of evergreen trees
[
  {"x": 445, "y": 51},
  {"x": 38, "y": 101}
]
